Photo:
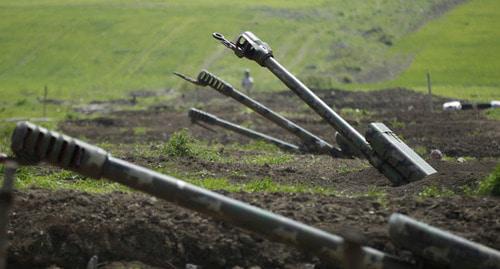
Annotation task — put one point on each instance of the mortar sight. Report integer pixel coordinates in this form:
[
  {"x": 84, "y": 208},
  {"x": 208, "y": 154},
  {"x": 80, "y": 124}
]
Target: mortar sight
[{"x": 383, "y": 149}]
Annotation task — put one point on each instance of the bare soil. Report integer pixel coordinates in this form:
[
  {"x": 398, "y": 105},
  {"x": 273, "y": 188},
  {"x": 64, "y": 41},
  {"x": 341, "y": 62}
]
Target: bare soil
[
  {"x": 66, "y": 228},
  {"x": 455, "y": 133}
]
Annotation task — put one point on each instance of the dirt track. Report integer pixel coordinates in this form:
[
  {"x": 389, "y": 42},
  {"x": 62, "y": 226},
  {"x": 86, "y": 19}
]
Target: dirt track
[{"x": 66, "y": 228}]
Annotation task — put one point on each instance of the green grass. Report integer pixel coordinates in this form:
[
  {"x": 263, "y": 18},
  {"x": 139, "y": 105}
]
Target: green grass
[
  {"x": 36, "y": 177},
  {"x": 29, "y": 177},
  {"x": 434, "y": 191},
  {"x": 86, "y": 50},
  {"x": 259, "y": 185},
  {"x": 461, "y": 50},
  {"x": 491, "y": 184},
  {"x": 493, "y": 114}
]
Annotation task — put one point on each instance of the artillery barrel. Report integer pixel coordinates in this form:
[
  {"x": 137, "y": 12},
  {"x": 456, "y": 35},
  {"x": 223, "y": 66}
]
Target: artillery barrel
[
  {"x": 198, "y": 115},
  {"x": 399, "y": 163},
  {"x": 440, "y": 248},
  {"x": 32, "y": 144},
  {"x": 310, "y": 141}
]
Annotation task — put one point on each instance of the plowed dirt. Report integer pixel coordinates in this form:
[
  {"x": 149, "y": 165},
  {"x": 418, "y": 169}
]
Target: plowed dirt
[{"x": 67, "y": 228}]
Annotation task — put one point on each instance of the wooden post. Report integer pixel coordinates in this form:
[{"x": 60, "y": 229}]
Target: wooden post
[
  {"x": 429, "y": 88},
  {"x": 45, "y": 93}
]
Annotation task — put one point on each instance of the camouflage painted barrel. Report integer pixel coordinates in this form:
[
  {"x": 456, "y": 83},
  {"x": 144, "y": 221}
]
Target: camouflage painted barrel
[
  {"x": 440, "y": 248},
  {"x": 391, "y": 165},
  {"x": 310, "y": 141},
  {"x": 199, "y": 115},
  {"x": 32, "y": 144}
]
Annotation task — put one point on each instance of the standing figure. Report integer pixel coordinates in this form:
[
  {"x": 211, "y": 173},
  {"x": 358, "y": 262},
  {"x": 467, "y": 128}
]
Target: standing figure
[{"x": 247, "y": 81}]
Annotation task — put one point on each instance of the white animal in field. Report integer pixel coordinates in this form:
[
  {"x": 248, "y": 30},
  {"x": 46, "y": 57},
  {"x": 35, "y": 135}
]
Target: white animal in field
[{"x": 247, "y": 81}]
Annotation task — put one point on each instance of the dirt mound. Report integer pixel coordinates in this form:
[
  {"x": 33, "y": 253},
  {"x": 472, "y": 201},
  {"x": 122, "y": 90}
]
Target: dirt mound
[{"x": 66, "y": 228}]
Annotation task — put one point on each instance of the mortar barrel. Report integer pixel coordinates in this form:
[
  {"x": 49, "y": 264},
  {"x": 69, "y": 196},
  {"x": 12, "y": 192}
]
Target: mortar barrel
[
  {"x": 198, "y": 115},
  {"x": 318, "y": 105},
  {"x": 440, "y": 248},
  {"x": 399, "y": 163},
  {"x": 310, "y": 141},
  {"x": 81, "y": 157}
]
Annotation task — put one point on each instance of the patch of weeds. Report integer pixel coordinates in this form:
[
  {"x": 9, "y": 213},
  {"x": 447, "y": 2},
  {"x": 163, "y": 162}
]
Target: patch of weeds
[
  {"x": 216, "y": 184},
  {"x": 258, "y": 145},
  {"x": 106, "y": 145},
  {"x": 493, "y": 114},
  {"x": 469, "y": 191},
  {"x": 373, "y": 192},
  {"x": 180, "y": 144},
  {"x": 448, "y": 158},
  {"x": 491, "y": 184},
  {"x": 248, "y": 124},
  {"x": 269, "y": 159},
  {"x": 354, "y": 113},
  {"x": 140, "y": 131},
  {"x": 434, "y": 191},
  {"x": 208, "y": 153},
  {"x": 267, "y": 185},
  {"x": 395, "y": 124},
  {"x": 246, "y": 111},
  {"x": 6, "y": 130},
  {"x": 458, "y": 159},
  {"x": 258, "y": 185},
  {"x": 344, "y": 168},
  {"x": 238, "y": 174},
  {"x": 421, "y": 150},
  {"x": 201, "y": 174},
  {"x": 28, "y": 177}
]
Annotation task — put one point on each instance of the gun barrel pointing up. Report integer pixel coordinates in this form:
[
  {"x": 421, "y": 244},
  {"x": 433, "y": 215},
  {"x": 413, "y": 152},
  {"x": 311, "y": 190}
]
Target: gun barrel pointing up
[
  {"x": 198, "y": 115},
  {"x": 91, "y": 161},
  {"x": 311, "y": 142},
  {"x": 399, "y": 163}
]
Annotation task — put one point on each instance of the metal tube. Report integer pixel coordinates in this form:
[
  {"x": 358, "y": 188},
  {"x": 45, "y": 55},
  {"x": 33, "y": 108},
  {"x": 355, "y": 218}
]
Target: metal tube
[
  {"x": 441, "y": 248},
  {"x": 383, "y": 149},
  {"x": 94, "y": 162},
  {"x": 313, "y": 101},
  {"x": 198, "y": 115},
  {"x": 6, "y": 199},
  {"x": 311, "y": 143}
]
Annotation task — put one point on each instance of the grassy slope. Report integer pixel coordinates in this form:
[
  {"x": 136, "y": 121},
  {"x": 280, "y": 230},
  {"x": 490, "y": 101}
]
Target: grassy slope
[
  {"x": 86, "y": 50},
  {"x": 461, "y": 50}
]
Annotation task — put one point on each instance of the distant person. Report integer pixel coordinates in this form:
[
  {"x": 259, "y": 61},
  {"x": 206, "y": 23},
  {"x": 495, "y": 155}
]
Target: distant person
[{"x": 247, "y": 81}]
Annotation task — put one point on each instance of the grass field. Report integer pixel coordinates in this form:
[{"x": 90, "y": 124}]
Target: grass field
[
  {"x": 95, "y": 50},
  {"x": 461, "y": 50}
]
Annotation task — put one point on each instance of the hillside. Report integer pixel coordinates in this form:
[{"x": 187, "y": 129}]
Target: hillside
[
  {"x": 461, "y": 51},
  {"x": 96, "y": 50}
]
